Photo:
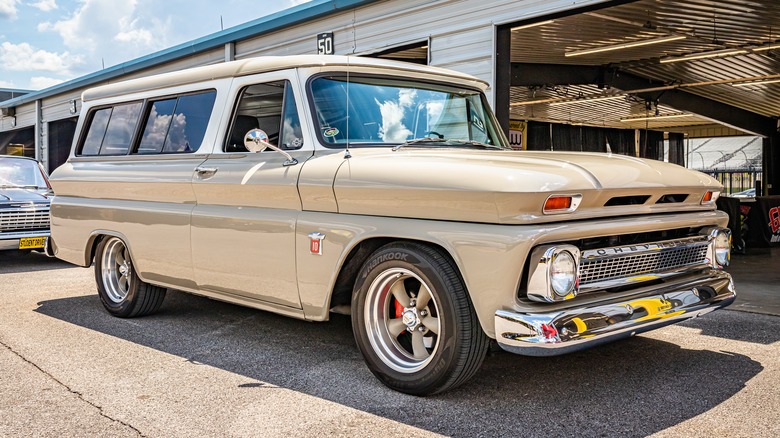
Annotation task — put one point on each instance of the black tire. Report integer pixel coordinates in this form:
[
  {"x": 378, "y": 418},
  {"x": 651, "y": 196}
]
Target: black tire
[
  {"x": 122, "y": 293},
  {"x": 415, "y": 363}
]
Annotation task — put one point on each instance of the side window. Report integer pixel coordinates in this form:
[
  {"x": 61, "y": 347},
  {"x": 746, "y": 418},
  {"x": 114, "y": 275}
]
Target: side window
[
  {"x": 176, "y": 125},
  {"x": 96, "y": 132},
  {"x": 271, "y": 108},
  {"x": 111, "y": 130},
  {"x": 157, "y": 123}
]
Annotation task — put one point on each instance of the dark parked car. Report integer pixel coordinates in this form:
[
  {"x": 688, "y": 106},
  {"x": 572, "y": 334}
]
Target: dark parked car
[{"x": 25, "y": 195}]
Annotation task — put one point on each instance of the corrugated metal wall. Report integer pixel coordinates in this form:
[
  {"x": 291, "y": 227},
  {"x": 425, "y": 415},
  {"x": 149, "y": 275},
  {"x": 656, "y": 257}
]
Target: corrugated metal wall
[{"x": 460, "y": 32}]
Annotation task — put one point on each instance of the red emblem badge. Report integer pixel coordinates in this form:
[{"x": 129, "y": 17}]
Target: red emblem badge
[{"x": 315, "y": 247}]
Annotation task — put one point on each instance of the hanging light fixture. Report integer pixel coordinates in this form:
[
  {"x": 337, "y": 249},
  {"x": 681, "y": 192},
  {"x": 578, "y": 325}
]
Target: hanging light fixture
[
  {"x": 747, "y": 84},
  {"x": 654, "y": 117},
  {"x": 526, "y": 26},
  {"x": 626, "y": 45},
  {"x": 586, "y": 100},
  {"x": 703, "y": 55}
]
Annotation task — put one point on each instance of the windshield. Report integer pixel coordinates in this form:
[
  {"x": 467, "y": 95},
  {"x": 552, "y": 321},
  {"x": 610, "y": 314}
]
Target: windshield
[
  {"x": 384, "y": 111},
  {"x": 18, "y": 172}
]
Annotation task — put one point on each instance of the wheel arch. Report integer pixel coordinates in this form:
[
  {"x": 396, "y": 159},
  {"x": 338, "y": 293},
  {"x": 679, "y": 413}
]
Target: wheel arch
[
  {"x": 342, "y": 290},
  {"x": 94, "y": 240}
]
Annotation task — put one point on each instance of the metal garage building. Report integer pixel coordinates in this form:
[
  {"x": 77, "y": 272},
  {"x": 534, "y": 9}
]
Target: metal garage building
[{"x": 634, "y": 77}]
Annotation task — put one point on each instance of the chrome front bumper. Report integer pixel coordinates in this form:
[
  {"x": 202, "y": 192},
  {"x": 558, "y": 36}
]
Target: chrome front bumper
[
  {"x": 554, "y": 333},
  {"x": 11, "y": 240}
]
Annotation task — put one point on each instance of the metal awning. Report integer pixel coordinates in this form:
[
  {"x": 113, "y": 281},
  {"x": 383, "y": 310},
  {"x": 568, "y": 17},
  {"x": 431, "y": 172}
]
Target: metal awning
[{"x": 725, "y": 52}]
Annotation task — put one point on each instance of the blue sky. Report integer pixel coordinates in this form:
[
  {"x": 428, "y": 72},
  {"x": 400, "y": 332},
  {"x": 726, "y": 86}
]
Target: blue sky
[{"x": 45, "y": 42}]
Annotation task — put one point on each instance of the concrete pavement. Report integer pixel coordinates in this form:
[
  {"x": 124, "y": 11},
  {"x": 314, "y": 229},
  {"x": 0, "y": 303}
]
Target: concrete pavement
[{"x": 201, "y": 367}]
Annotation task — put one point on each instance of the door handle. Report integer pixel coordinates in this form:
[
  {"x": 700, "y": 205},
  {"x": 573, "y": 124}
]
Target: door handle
[{"x": 206, "y": 171}]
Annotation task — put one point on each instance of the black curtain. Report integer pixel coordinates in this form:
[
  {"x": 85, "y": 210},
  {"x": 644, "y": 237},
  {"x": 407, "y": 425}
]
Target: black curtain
[
  {"x": 538, "y": 136},
  {"x": 566, "y": 137},
  {"x": 677, "y": 148},
  {"x": 594, "y": 139},
  {"x": 651, "y": 144},
  {"x": 621, "y": 141},
  {"x": 543, "y": 136}
]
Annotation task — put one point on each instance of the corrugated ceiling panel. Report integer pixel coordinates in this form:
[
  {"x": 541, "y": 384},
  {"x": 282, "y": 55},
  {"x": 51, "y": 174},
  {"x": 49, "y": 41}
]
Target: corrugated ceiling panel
[{"x": 707, "y": 25}]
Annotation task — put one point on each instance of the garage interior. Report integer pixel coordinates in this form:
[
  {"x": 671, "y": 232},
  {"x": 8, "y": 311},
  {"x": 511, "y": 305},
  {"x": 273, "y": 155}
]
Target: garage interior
[{"x": 648, "y": 78}]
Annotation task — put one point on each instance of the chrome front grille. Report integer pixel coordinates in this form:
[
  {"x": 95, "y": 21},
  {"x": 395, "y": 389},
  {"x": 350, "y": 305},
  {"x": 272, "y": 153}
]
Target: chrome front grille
[
  {"x": 616, "y": 266},
  {"x": 24, "y": 219}
]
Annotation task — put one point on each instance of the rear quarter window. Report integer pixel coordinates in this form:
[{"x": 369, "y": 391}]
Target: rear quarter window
[{"x": 174, "y": 124}]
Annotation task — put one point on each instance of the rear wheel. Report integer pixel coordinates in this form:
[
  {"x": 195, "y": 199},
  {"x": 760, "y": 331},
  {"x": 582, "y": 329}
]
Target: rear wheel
[
  {"x": 122, "y": 293},
  {"x": 413, "y": 320}
]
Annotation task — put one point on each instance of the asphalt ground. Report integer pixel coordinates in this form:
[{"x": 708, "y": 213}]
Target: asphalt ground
[{"x": 205, "y": 368}]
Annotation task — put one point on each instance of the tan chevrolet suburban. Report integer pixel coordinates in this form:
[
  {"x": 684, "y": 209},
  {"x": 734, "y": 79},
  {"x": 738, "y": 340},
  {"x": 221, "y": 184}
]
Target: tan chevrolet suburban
[{"x": 309, "y": 185}]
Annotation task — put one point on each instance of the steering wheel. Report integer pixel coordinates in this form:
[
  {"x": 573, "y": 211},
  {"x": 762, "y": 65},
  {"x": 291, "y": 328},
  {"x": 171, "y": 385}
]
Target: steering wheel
[{"x": 429, "y": 133}]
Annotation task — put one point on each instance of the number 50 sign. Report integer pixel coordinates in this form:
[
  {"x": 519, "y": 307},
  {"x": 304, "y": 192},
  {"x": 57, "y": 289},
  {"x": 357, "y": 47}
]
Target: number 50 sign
[{"x": 325, "y": 43}]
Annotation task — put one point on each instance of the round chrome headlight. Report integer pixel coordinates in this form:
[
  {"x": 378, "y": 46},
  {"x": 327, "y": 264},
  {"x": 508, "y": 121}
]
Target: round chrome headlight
[
  {"x": 563, "y": 273},
  {"x": 722, "y": 243}
]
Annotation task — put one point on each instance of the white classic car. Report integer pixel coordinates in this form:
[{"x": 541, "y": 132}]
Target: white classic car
[{"x": 309, "y": 185}]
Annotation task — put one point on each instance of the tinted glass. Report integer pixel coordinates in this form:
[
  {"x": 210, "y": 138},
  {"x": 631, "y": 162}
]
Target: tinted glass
[
  {"x": 377, "y": 111},
  {"x": 189, "y": 122},
  {"x": 97, "y": 130},
  {"x": 292, "y": 137},
  {"x": 260, "y": 107},
  {"x": 271, "y": 108},
  {"x": 157, "y": 124},
  {"x": 121, "y": 128}
]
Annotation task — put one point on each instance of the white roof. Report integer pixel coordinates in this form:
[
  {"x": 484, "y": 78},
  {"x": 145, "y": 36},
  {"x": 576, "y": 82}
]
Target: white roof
[{"x": 265, "y": 64}]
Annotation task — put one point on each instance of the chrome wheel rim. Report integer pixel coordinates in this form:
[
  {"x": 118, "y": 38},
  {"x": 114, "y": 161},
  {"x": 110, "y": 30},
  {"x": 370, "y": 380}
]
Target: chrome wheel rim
[
  {"x": 116, "y": 270},
  {"x": 402, "y": 320}
]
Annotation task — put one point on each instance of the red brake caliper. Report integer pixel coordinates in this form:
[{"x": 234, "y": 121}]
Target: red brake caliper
[{"x": 399, "y": 311}]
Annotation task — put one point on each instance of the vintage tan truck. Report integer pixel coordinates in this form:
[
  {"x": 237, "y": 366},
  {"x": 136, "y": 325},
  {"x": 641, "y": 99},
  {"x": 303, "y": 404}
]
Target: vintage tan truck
[{"x": 309, "y": 185}]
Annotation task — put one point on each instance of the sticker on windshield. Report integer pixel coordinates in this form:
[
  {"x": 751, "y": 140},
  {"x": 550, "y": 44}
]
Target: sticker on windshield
[
  {"x": 477, "y": 122},
  {"x": 330, "y": 132}
]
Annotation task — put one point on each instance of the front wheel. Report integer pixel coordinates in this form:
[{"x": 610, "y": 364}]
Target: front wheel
[
  {"x": 413, "y": 320},
  {"x": 122, "y": 293}
]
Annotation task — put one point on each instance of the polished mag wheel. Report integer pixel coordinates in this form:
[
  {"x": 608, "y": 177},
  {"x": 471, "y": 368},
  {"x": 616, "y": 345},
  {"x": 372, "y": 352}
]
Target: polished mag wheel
[
  {"x": 413, "y": 320},
  {"x": 122, "y": 293},
  {"x": 116, "y": 270},
  {"x": 402, "y": 320}
]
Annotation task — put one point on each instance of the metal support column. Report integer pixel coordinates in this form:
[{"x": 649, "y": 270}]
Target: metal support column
[
  {"x": 40, "y": 154},
  {"x": 771, "y": 165},
  {"x": 503, "y": 76}
]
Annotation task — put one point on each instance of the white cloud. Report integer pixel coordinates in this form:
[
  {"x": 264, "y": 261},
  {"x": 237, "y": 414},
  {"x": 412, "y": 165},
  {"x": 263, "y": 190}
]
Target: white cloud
[
  {"x": 393, "y": 129},
  {"x": 8, "y": 8},
  {"x": 45, "y": 5},
  {"x": 24, "y": 57},
  {"x": 114, "y": 30},
  {"x": 6, "y": 84},
  {"x": 130, "y": 32},
  {"x": 41, "y": 82}
]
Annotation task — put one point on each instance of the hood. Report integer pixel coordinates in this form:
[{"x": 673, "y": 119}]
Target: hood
[
  {"x": 511, "y": 186},
  {"x": 23, "y": 196}
]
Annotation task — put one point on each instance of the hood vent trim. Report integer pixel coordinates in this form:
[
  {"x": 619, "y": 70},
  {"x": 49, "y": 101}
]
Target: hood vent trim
[{"x": 627, "y": 200}]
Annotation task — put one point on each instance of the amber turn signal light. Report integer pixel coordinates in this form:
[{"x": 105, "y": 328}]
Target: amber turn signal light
[
  {"x": 710, "y": 197},
  {"x": 557, "y": 203}
]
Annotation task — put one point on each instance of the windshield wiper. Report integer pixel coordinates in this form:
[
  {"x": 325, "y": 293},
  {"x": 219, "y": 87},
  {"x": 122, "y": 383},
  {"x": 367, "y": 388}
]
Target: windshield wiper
[
  {"x": 447, "y": 142},
  {"x": 475, "y": 143},
  {"x": 423, "y": 140},
  {"x": 14, "y": 186}
]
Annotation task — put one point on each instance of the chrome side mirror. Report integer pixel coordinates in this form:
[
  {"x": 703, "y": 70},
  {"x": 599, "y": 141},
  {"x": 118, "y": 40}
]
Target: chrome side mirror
[{"x": 256, "y": 140}]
